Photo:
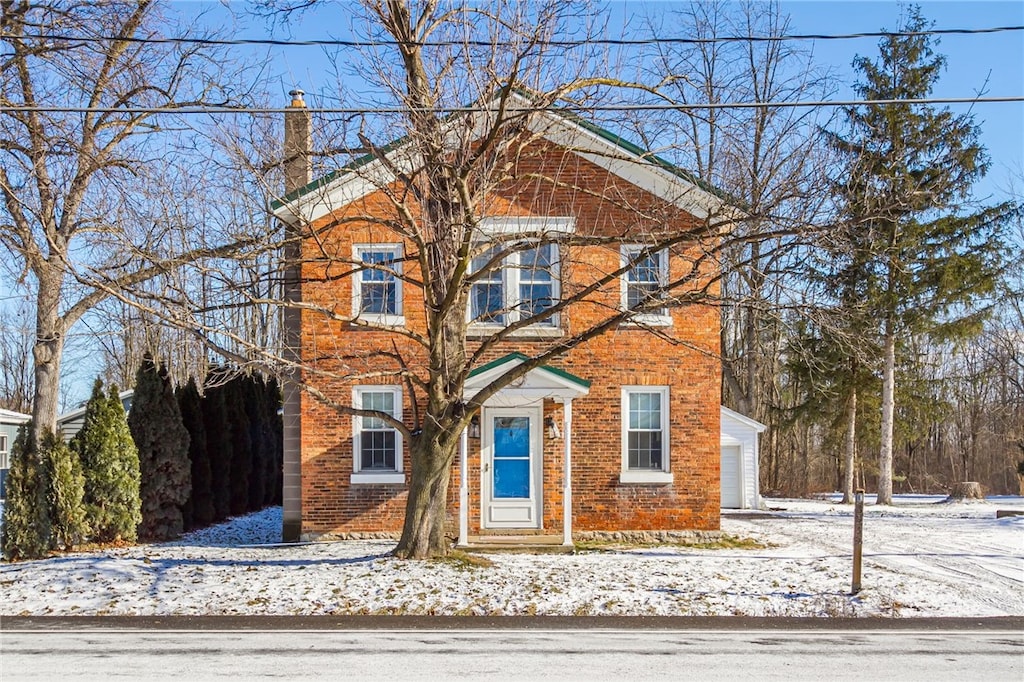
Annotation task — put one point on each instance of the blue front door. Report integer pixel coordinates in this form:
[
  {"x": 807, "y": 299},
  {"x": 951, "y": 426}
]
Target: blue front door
[
  {"x": 511, "y": 457},
  {"x": 511, "y": 469}
]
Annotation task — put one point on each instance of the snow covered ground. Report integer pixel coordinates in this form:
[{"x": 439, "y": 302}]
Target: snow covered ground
[{"x": 921, "y": 558}]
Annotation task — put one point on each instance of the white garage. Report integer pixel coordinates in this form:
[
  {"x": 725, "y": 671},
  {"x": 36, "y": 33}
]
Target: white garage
[{"x": 740, "y": 489}]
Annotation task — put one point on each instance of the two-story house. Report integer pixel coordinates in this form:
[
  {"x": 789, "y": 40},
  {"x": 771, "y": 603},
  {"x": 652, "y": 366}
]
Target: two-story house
[{"x": 621, "y": 433}]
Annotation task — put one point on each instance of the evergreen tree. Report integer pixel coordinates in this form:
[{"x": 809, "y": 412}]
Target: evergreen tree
[
  {"x": 218, "y": 449},
  {"x": 66, "y": 492},
  {"x": 275, "y": 444},
  {"x": 162, "y": 440},
  {"x": 198, "y": 511},
  {"x": 241, "y": 444},
  {"x": 258, "y": 438},
  {"x": 908, "y": 171},
  {"x": 110, "y": 462},
  {"x": 26, "y": 528}
]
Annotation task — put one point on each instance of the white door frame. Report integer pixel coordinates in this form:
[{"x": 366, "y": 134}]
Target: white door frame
[{"x": 526, "y": 513}]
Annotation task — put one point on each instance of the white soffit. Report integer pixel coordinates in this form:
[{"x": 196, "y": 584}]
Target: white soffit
[{"x": 356, "y": 183}]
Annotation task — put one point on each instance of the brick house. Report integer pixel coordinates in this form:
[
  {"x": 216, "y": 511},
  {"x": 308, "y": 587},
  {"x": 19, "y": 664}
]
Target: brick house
[{"x": 619, "y": 434}]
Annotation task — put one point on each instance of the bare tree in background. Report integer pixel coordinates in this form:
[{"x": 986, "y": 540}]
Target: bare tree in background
[
  {"x": 15, "y": 359},
  {"x": 70, "y": 179},
  {"x": 771, "y": 159}
]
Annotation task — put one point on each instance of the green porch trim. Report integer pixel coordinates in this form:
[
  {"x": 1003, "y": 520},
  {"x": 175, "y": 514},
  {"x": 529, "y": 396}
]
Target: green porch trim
[{"x": 493, "y": 364}]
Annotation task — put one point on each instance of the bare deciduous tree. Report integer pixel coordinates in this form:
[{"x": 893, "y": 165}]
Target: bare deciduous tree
[{"x": 78, "y": 136}]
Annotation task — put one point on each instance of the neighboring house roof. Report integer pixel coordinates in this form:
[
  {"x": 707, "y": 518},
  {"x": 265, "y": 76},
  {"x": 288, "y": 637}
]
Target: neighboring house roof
[
  {"x": 12, "y": 417},
  {"x": 79, "y": 411},
  {"x": 744, "y": 420},
  {"x": 70, "y": 423},
  {"x": 630, "y": 162}
]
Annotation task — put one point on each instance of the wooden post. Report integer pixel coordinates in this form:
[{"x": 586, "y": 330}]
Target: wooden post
[{"x": 858, "y": 537}]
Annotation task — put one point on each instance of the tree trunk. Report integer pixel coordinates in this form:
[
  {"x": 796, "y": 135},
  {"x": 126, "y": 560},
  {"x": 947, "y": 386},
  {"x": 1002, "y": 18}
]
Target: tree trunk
[
  {"x": 47, "y": 351},
  {"x": 888, "y": 415},
  {"x": 966, "y": 490},
  {"x": 423, "y": 535},
  {"x": 850, "y": 450}
]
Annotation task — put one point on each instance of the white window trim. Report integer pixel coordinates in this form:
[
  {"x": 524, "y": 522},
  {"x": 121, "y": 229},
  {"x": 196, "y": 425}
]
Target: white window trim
[
  {"x": 535, "y": 227},
  {"x": 628, "y": 475},
  {"x": 627, "y": 253},
  {"x": 4, "y": 453},
  {"x": 383, "y": 319},
  {"x": 376, "y": 476}
]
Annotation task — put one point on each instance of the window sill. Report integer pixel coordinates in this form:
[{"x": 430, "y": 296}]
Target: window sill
[
  {"x": 649, "y": 321},
  {"x": 534, "y": 331},
  {"x": 657, "y": 477},
  {"x": 365, "y": 321},
  {"x": 383, "y": 478}
]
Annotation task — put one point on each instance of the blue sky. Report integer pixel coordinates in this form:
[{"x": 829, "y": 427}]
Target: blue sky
[
  {"x": 988, "y": 63},
  {"x": 993, "y": 63}
]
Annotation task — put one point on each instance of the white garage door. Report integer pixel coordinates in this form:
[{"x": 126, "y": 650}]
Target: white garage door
[{"x": 732, "y": 493}]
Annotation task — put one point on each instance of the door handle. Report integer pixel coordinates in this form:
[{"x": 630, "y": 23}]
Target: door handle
[{"x": 487, "y": 467}]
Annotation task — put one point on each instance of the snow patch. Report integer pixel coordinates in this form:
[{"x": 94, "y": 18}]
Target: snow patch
[{"x": 920, "y": 559}]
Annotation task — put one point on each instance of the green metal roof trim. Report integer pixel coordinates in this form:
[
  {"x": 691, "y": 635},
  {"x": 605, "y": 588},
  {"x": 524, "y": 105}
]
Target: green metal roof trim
[
  {"x": 327, "y": 179},
  {"x": 576, "y": 119},
  {"x": 644, "y": 154},
  {"x": 569, "y": 376}
]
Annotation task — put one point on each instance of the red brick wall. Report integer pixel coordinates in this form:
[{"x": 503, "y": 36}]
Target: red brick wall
[{"x": 627, "y": 356}]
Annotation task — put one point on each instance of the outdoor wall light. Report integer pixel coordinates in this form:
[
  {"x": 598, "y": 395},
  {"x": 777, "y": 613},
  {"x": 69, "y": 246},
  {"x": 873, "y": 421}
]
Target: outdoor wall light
[
  {"x": 474, "y": 427},
  {"x": 552, "y": 428}
]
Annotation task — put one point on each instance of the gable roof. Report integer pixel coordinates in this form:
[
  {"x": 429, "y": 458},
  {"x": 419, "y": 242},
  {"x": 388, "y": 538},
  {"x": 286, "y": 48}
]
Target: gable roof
[
  {"x": 615, "y": 154},
  {"x": 71, "y": 415},
  {"x": 12, "y": 417},
  {"x": 746, "y": 421},
  {"x": 540, "y": 382}
]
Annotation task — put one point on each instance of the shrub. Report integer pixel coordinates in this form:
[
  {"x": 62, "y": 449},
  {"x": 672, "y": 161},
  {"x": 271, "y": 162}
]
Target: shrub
[
  {"x": 26, "y": 528},
  {"x": 162, "y": 440},
  {"x": 110, "y": 462},
  {"x": 66, "y": 492}
]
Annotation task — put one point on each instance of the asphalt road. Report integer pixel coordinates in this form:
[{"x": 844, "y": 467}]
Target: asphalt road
[{"x": 512, "y": 649}]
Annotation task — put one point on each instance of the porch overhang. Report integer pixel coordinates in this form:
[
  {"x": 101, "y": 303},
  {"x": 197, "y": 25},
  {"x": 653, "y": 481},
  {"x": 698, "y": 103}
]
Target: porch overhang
[
  {"x": 544, "y": 382},
  {"x": 538, "y": 384}
]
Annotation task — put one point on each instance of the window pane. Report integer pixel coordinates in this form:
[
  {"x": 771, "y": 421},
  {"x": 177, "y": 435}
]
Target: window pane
[
  {"x": 511, "y": 437},
  {"x": 646, "y": 269},
  {"x": 645, "y": 411},
  {"x": 378, "y": 289},
  {"x": 379, "y": 297},
  {"x": 377, "y": 450},
  {"x": 512, "y": 478},
  {"x": 382, "y": 401},
  {"x": 488, "y": 301},
  {"x": 645, "y": 450},
  {"x": 639, "y": 294},
  {"x": 535, "y": 298},
  {"x": 536, "y": 263}
]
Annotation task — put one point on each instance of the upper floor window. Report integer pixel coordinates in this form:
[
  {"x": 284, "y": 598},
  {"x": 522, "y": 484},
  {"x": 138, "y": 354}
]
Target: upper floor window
[
  {"x": 520, "y": 285},
  {"x": 377, "y": 287},
  {"x": 377, "y": 445},
  {"x": 643, "y": 284}
]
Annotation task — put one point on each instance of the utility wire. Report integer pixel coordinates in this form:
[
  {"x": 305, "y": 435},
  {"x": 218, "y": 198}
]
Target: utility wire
[
  {"x": 330, "y": 42},
  {"x": 213, "y": 109}
]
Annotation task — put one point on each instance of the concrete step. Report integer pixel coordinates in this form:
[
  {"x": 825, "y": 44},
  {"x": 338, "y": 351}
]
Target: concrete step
[{"x": 537, "y": 544}]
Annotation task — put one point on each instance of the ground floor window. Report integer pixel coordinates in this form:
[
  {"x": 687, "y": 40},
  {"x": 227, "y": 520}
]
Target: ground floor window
[
  {"x": 377, "y": 445},
  {"x": 645, "y": 434}
]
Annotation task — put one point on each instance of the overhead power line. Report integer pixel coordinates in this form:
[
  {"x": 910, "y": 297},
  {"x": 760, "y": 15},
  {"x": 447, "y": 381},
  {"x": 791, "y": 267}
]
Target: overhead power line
[
  {"x": 460, "y": 110},
  {"x": 331, "y": 42}
]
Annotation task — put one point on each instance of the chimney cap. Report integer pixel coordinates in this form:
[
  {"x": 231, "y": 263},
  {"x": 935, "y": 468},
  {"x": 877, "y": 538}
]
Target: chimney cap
[{"x": 296, "y": 96}]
